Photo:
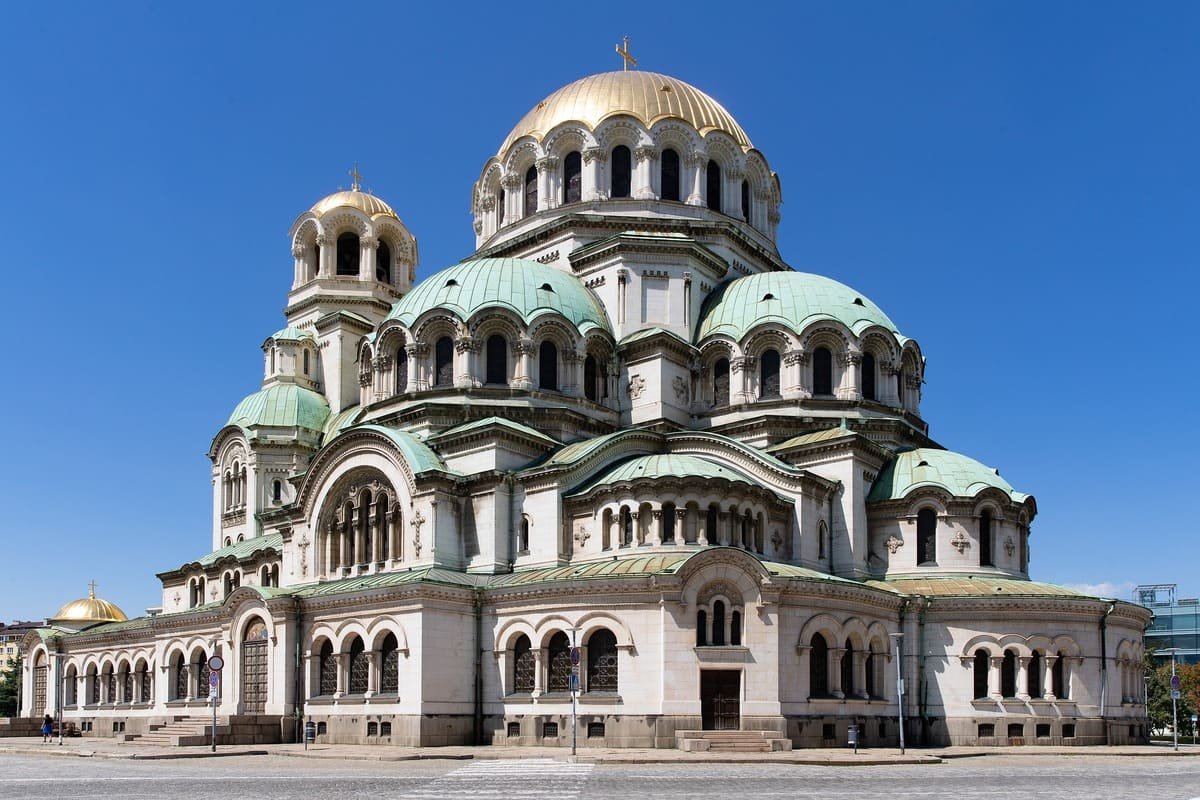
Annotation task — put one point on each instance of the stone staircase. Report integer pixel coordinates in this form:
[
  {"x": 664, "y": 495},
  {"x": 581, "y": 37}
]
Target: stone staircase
[
  {"x": 180, "y": 732},
  {"x": 731, "y": 742}
]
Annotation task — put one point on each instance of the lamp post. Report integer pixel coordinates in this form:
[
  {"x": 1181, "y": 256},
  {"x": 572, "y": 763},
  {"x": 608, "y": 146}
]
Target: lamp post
[
  {"x": 574, "y": 684},
  {"x": 59, "y": 687},
  {"x": 898, "y": 638},
  {"x": 1174, "y": 700}
]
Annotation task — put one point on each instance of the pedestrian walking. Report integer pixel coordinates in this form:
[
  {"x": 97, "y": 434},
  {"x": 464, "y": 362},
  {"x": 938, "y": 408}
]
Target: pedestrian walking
[{"x": 47, "y": 728}]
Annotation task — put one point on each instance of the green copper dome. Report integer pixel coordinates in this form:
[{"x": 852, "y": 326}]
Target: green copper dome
[
  {"x": 285, "y": 405},
  {"x": 526, "y": 288},
  {"x": 664, "y": 466},
  {"x": 791, "y": 299},
  {"x": 955, "y": 473}
]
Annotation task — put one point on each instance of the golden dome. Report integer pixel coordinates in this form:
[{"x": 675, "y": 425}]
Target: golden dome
[
  {"x": 369, "y": 204},
  {"x": 646, "y": 96},
  {"x": 89, "y": 609}
]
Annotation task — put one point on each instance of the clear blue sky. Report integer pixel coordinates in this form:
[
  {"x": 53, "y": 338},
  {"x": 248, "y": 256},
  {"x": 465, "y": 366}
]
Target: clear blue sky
[{"x": 1015, "y": 183}]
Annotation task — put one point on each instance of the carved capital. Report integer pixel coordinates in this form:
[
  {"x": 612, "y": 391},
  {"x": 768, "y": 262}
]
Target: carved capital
[
  {"x": 488, "y": 202},
  {"x": 368, "y": 242},
  {"x": 297, "y": 251},
  {"x": 324, "y": 239},
  {"x": 644, "y": 153},
  {"x": 546, "y": 163},
  {"x": 893, "y": 544},
  {"x": 465, "y": 344},
  {"x": 595, "y": 154},
  {"x": 697, "y": 159},
  {"x": 511, "y": 180}
]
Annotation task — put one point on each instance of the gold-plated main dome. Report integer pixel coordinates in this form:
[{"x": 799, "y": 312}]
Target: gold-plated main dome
[
  {"x": 369, "y": 204},
  {"x": 89, "y": 609},
  {"x": 647, "y": 96}
]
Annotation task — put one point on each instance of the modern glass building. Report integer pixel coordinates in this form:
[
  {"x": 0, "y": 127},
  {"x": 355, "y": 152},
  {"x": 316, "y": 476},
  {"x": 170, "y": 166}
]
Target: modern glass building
[{"x": 1176, "y": 622}]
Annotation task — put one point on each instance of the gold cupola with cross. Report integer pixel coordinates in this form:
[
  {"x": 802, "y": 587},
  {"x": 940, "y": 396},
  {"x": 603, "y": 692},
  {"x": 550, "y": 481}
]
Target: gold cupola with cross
[{"x": 87, "y": 611}]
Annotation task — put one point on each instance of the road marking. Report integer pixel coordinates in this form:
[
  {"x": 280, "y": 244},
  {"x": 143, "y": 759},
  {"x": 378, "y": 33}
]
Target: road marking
[{"x": 533, "y": 777}]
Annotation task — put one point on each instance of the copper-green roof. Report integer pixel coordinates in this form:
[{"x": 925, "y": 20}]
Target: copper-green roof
[
  {"x": 290, "y": 334},
  {"x": 792, "y": 299},
  {"x": 672, "y": 465},
  {"x": 526, "y": 288},
  {"x": 958, "y": 475},
  {"x": 972, "y": 586},
  {"x": 501, "y": 422},
  {"x": 340, "y": 421},
  {"x": 816, "y": 437},
  {"x": 283, "y": 405},
  {"x": 243, "y": 549},
  {"x": 419, "y": 456},
  {"x": 385, "y": 579}
]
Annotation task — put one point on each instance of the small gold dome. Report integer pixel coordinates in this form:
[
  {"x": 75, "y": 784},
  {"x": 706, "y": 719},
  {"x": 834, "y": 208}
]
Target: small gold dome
[
  {"x": 646, "y": 96},
  {"x": 89, "y": 609},
  {"x": 369, "y": 204}
]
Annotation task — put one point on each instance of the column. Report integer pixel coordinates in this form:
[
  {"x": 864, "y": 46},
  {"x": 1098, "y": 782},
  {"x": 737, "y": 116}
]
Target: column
[
  {"x": 325, "y": 266},
  {"x": 836, "y": 654},
  {"x": 383, "y": 380},
  {"x": 573, "y": 362},
  {"x": 545, "y": 168},
  {"x": 366, "y": 258},
  {"x": 539, "y": 664},
  {"x": 744, "y": 368},
  {"x": 656, "y": 527},
  {"x": 523, "y": 350},
  {"x": 860, "y": 670},
  {"x": 733, "y": 194},
  {"x": 1023, "y": 677},
  {"x": 793, "y": 378},
  {"x": 372, "y": 673},
  {"x": 513, "y": 197},
  {"x": 343, "y": 674},
  {"x": 643, "y": 162},
  {"x": 377, "y": 523},
  {"x": 696, "y": 164},
  {"x": 994, "y": 677},
  {"x": 593, "y": 187},
  {"x": 680, "y": 525},
  {"x": 703, "y": 534},
  {"x": 1048, "y": 679},
  {"x": 464, "y": 348},
  {"x": 396, "y": 540},
  {"x": 299, "y": 265},
  {"x": 416, "y": 363},
  {"x": 851, "y": 388}
]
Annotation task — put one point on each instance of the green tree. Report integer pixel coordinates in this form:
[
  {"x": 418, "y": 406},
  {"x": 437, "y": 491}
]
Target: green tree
[
  {"x": 1158, "y": 693},
  {"x": 10, "y": 688}
]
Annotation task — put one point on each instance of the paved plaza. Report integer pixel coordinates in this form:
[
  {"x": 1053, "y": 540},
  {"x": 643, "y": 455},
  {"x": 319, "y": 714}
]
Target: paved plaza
[{"x": 269, "y": 777}]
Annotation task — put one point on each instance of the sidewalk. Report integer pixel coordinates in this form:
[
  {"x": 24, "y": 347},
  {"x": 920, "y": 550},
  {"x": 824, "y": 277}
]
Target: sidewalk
[{"x": 109, "y": 748}]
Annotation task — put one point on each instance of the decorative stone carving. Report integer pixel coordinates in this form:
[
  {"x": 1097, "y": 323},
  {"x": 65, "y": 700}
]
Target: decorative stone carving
[
  {"x": 297, "y": 250},
  {"x": 960, "y": 542},
  {"x": 582, "y": 535},
  {"x": 637, "y": 385},
  {"x": 1010, "y": 547},
  {"x": 644, "y": 153},
  {"x": 681, "y": 389},
  {"x": 595, "y": 154},
  {"x": 893, "y": 544},
  {"x": 418, "y": 519},
  {"x": 303, "y": 544}
]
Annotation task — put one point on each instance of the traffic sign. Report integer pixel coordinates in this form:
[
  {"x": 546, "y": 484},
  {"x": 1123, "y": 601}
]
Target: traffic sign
[
  {"x": 1175, "y": 683},
  {"x": 215, "y": 663},
  {"x": 575, "y": 656},
  {"x": 1176, "y": 694},
  {"x": 574, "y": 685},
  {"x": 214, "y": 679}
]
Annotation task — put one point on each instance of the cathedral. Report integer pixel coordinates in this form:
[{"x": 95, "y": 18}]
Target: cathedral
[{"x": 623, "y": 476}]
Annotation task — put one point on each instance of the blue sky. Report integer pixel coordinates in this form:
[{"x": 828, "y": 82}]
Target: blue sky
[{"x": 1015, "y": 183}]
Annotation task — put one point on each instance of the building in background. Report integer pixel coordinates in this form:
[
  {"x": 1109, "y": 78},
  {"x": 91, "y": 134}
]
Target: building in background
[{"x": 1176, "y": 622}]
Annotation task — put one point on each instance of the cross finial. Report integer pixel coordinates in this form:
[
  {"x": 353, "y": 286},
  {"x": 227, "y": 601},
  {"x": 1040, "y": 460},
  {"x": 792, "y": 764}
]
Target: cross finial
[
  {"x": 92, "y": 589},
  {"x": 623, "y": 51},
  {"x": 356, "y": 176}
]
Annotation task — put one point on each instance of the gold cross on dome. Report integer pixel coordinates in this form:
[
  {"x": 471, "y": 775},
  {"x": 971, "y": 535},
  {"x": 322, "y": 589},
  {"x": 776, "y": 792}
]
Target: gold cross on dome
[
  {"x": 356, "y": 176},
  {"x": 92, "y": 589},
  {"x": 626, "y": 57}
]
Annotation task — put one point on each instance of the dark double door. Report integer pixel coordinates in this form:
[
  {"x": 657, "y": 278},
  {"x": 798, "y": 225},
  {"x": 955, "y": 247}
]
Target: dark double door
[{"x": 720, "y": 699}]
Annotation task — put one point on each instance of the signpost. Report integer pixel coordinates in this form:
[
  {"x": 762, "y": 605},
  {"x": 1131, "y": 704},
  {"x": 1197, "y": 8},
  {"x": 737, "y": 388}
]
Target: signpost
[
  {"x": 574, "y": 686},
  {"x": 214, "y": 680},
  {"x": 898, "y": 638},
  {"x": 1175, "y": 695}
]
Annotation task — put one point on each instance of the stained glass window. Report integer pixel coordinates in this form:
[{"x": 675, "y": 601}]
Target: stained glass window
[
  {"x": 560, "y": 663},
  {"x": 359, "y": 667},
  {"x": 389, "y": 679},
  {"x": 328, "y": 670},
  {"x": 602, "y": 662},
  {"x": 523, "y": 665}
]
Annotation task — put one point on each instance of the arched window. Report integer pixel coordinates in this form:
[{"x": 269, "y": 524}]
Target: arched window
[
  {"x": 328, "y": 670},
  {"x": 735, "y": 627},
  {"x": 71, "y": 690},
  {"x": 359, "y": 669},
  {"x": 500, "y": 208},
  {"x": 848, "y": 670},
  {"x": 364, "y": 529},
  {"x": 497, "y": 359},
  {"x": 669, "y": 175},
  {"x": 713, "y": 185},
  {"x": 1058, "y": 677},
  {"x": 202, "y": 675},
  {"x": 927, "y": 536},
  {"x": 818, "y": 667},
  {"x": 718, "y": 623},
  {"x": 822, "y": 539},
  {"x": 389, "y": 659},
  {"x": 746, "y": 200},
  {"x": 348, "y": 251},
  {"x": 701, "y": 628},
  {"x": 523, "y": 540},
  {"x": 602, "y": 662},
  {"x": 982, "y": 662},
  {"x": 531, "y": 198},
  {"x": 668, "y": 522},
  {"x": 401, "y": 370},
  {"x": 1008, "y": 674},
  {"x": 626, "y": 527},
  {"x": 277, "y": 490},
  {"x": 870, "y": 689},
  {"x": 443, "y": 362},
  {"x": 822, "y": 371},
  {"x": 868, "y": 377},
  {"x": 768, "y": 375},
  {"x": 572, "y": 178},
  {"x": 179, "y": 670},
  {"x": 622, "y": 171},
  {"x": 589, "y": 379},
  {"x": 548, "y": 366},
  {"x": 559, "y": 678},
  {"x": 523, "y": 665},
  {"x": 383, "y": 263},
  {"x": 710, "y": 524},
  {"x": 1035, "y": 675},
  {"x": 985, "y": 538},
  {"x": 305, "y": 362},
  {"x": 721, "y": 382}
]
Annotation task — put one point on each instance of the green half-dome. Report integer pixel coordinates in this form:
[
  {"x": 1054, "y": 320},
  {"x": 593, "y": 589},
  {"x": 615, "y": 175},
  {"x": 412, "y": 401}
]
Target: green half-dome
[
  {"x": 664, "y": 466},
  {"x": 959, "y": 475},
  {"x": 526, "y": 288},
  {"x": 792, "y": 299},
  {"x": 285, "y": 405}
]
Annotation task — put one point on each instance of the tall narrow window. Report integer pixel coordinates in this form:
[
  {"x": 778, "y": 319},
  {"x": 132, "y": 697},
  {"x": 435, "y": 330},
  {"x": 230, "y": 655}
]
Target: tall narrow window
[
  {"x": 178, "y": 669},
  {"x": 589, "y": 379},
  {"x": 1058, "y": 677},
  {"x": 668, "y": 523},
  {"x": 383, "y": 263},
  {"x": 389, "y": 677},
  {"x": 848, "y": 686},
  {"x": 443, "y": 362},
  {"x": 735, "y": 627},
  {"x": 328, "y": 668},
  {"x": 602, "y": 662},
  {"x": 868, "y": 377},
  {"x": 523, "y": 665},
  {"x": 348, "y": 252},
  {"x": 870, "y": 689},
  {"x": 713, "y": 185},
  {"x": 822, "y": 539},
  {"x": 622, "y": 171},
  {"x": 500, "y": 208},
  {"x": 710, "y": 525},
  {"x": 626, "y": 527},
  {"x": 818, "y": 667},
  {"x": 277, "y": 491},
  {"x": 721, "y": 382},
  {"x": 401, "y": 370},
  {"x": 560, "y": 663},
  {"x": 497, "y": 359},
  {"x": 718, "y": 624},
  {"x": 305, "y": 362},
  {"x": 768, "y": 375},
  {"x": 927, "y": 536},
  {"x": 746, "y": 200},
  {"x": 572, "y": 178},
  {"x": 1008, "y": 674},
  {"x": 531, "y": 189},
  {"x": 1035, "y": 675},
  {"x": 701, "y": 628},
  {"x": 359, "y": 667},
  {"x": 982, "y": 662},
  {"x": 548, "y": 366},
  {"x": 822, "y": 359},
  {"x": 985, "y": 539},
  {"x": 669, "y": 175},
  {"x": 523, "y": 540}
]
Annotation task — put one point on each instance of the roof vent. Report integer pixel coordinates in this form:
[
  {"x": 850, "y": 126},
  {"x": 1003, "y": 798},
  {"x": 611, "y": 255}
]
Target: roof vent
[
  {"x": 858, "y": 301},
  {"x": 923, "y": 464},
  {"x": 768, "y": 296},
  {"x": 545, "y": 287},
  {"x": 450, "y": 283}
]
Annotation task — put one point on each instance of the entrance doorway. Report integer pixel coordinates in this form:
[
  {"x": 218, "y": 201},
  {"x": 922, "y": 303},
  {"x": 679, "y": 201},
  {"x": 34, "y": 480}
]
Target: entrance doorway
[
  {"x": 720, "y": 693},
  {"x": 254, "y": 668}
]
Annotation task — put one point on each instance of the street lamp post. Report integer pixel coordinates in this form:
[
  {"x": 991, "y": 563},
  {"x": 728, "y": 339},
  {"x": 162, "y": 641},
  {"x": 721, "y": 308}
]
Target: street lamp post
[
  {"x": 60, "y": 685},
  {"x": 1174, "y": 702},
  {"x": 574, "y": 684},
  {"x": 898, "y": 638}
]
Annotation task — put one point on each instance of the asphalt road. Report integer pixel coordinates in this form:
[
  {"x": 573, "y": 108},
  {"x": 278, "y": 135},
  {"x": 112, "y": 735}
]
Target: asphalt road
[{"x": 282, "y": 778}]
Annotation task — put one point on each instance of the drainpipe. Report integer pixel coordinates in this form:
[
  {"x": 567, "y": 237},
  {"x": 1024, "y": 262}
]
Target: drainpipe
[
  {"x": 478, "y": 599},
  {"x": 1104, "y": 672},
  {"x": 829, "y": 522},
  {"x": 298, "y": 675},
  {"x": 922, "y": 685},
  {"x": 900, "y": 666}
]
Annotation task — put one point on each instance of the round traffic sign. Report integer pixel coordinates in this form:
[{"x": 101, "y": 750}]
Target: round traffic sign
[
  {"x": 215, "y": 663},
  {"x": 214, "y": 679}
]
